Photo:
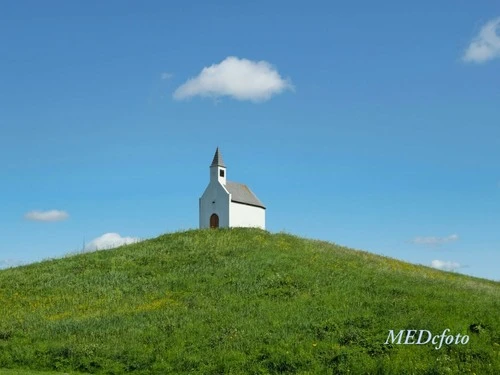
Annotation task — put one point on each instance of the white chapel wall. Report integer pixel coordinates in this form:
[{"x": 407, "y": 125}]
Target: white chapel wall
[
  {"x": 218, "y": 194},
  {"x": 243, "y": 215}
]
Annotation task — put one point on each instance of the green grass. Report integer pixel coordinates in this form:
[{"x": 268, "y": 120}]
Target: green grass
[
  {"x": 32, "y": 372},
  {"x": 241, "y": 301}
]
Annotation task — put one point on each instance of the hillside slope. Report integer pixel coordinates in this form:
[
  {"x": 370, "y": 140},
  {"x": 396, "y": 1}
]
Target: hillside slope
[{"x": 242, "y": 301}]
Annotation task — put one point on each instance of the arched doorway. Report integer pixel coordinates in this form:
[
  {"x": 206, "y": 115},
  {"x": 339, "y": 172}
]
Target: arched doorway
[{"x": 214, "y": 221}]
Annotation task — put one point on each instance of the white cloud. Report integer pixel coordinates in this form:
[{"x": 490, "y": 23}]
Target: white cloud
[
  {"x": 51, "y": 215},
  {"x": 109, "y": 241},
  {"x": 166, "y": 76},
  {"x": 7, "y": 263},
  {"x": 486, "y": 45},
  {"x": 434, "y": 240},
  {"x": 445, "y": 265},
  {"x": 241, "y": 79}
]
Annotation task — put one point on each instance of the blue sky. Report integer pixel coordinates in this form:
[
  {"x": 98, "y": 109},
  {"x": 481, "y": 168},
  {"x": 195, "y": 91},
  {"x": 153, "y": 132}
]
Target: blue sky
[{"x": 375, "y": 126}]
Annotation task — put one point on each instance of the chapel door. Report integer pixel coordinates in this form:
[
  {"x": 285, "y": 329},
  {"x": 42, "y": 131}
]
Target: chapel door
[{"x": 214, "y": 221}]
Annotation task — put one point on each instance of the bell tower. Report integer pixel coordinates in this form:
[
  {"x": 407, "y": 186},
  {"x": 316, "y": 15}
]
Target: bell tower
[{"x": 218, "y": 168}]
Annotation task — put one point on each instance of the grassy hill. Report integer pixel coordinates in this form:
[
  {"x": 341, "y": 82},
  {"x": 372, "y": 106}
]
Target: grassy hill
[{"x": 241, "y": 301}]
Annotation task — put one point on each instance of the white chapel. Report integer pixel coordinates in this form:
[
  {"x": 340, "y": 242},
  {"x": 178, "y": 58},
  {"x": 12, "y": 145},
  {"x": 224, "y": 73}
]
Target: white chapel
[{"x": 229, "y": 204}]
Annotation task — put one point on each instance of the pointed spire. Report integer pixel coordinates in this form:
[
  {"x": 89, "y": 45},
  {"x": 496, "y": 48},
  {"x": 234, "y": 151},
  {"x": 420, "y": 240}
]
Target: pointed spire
[{"x": 218, "y": 159}]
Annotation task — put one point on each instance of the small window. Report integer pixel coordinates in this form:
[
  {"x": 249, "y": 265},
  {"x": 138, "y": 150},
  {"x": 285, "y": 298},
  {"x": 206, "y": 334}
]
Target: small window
[{"x": 221, "y": 172}]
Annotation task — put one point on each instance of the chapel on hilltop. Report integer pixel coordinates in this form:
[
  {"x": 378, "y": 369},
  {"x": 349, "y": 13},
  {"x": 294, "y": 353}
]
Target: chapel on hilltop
[{"x": 229, "y": 204}]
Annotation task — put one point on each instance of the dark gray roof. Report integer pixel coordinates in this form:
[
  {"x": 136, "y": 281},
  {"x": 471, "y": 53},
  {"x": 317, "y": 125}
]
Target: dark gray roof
[
  {"x": 218, "y": 159},
  {"x": 241, "y": 193}
]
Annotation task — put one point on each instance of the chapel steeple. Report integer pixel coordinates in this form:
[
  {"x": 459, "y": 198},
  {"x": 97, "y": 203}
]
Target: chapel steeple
[
  {"x": 218, "y": 159},
  {"x": 218, "y": 168}
]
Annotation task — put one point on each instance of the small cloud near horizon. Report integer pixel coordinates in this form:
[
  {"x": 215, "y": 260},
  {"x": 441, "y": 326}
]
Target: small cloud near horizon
[
  {"x": 166, "y": 76},
  {"x": 241, "y": 79},
  {"x": 109, "y": 241},
  {"x": 7, "y": 263},
  {"x": 50, "y": 215},
  {"x": 486, "y": 45},
  {"x": 445, "y": 265},
  {"x": 433, "y": 241}
]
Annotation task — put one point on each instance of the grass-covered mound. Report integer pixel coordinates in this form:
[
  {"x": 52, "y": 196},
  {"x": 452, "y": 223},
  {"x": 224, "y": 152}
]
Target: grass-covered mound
[{"x": 242, "y": 301}]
